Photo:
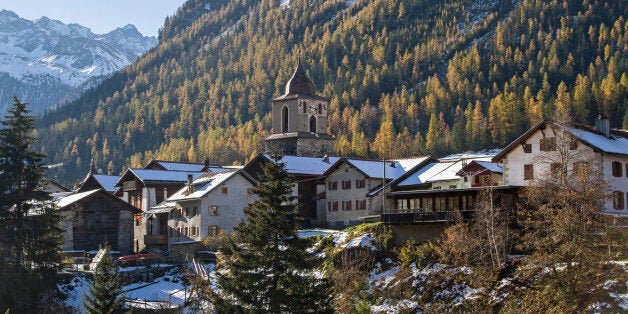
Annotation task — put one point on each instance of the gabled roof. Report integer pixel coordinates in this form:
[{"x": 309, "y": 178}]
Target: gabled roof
[
  {"x": 63, "y": 202},
  {"x": 305, "y": 165},
  {"x": 175, "y": 166},
  {"x": 376, "y": 168},
  {"x": 478, "y": 166},
  {"x": 615, "y": 144},
  {"x": 202, "y": 186},
  {"x": 58, "y": 186},
  {"x": 158, "y": 176},
  {"x": 108, "y": 183}
]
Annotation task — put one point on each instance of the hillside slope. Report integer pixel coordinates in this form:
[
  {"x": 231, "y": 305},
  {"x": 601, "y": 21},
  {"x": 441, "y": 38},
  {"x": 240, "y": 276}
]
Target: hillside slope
[{"x": 404, "y": 76}]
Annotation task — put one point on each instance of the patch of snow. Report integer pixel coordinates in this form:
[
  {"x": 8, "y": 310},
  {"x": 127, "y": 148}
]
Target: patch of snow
[
  {"x": 285, "y": 4},
  {"x": 364, "y": 240},
  {"x": 315, "y": 232},
  {"x": 208, "y": 7},
  {"x": 89, "y": 70},
  {"x": 395, "y": 306}
]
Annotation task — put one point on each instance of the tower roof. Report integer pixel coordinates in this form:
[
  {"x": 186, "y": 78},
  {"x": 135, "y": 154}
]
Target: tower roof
[{"x": 299, "y": 85}]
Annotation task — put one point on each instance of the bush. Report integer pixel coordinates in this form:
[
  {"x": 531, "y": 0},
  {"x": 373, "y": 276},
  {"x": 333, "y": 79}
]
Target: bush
[{"x": 420, "y": 254}]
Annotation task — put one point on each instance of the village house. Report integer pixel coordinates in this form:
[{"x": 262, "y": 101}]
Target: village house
[
  {"x": 346, "y": 199},
  {"x": 205, "y": 206},
  {"x": 93, "y": 181},
  {"x": 145, "y": 188},
  {"x": 534, "y": 155},
  {"x": 92, "y": 218},
  {"x": 306, "y": 173}
]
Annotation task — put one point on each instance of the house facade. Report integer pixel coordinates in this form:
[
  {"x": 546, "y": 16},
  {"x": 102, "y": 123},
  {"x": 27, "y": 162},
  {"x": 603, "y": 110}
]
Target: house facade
[
  {"x": 92, "y": 218},
  {"x": 347, "y": 185},
  {"x": 537, "y": 153},
  {"x": 212, "y": 203}
]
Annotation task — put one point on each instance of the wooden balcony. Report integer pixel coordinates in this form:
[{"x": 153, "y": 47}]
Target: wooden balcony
[
  {"x": 156, "y": 239},
  {"x": 415, "y": 217},
  {"x": 129, "y": 186}
]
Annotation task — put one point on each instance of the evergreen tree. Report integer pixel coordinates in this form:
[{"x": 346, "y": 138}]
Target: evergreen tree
[
  {"x": 271, "y": 268},
  {"x": 29, "y": 234},
  {"x": 105, "y": 294}
]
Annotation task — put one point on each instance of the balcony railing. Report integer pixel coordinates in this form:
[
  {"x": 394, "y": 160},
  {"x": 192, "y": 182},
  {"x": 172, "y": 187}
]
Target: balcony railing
[
  {"x": 410, "y": 217},
  {"x": 129, "y": 185},
  {"x": 156, "y": 239}
]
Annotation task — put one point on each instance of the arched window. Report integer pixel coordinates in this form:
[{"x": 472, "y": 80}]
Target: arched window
[
  {"x": 320, "y": 108},
  {"x": 284, "y": 119},
  {"x": 313, "y": 124}
]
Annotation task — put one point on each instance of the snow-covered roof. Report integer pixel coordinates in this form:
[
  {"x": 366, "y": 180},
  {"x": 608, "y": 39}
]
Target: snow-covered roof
[
  {"x": 65, "y": 201},
  {"x": 180, "y": 166},
  {"x": 394, "y": 169},
  {"x": 491, "y": 166},
  {"x": 613, "y": 144},
  {"x": 108, "y": 183},
  {"x": 163, "y": 175},
  {"x": 445, "y": 169},
  {"x": 306, "y": 165},
  {"x": 202, "y": 186}
]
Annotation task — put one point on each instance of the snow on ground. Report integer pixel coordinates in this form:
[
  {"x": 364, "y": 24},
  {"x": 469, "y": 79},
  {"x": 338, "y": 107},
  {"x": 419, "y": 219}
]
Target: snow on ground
[
  {"x": 75, "y": 290},
  {"x": 395, "y": 306},
  {"x": 167, "y": 291}
]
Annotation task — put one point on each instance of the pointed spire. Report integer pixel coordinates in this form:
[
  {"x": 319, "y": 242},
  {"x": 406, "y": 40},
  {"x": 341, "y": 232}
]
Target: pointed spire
[{"x": 300, "y": 83}]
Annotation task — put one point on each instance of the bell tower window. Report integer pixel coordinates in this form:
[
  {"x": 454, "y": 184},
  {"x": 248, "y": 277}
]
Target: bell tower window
[
  {"x": 313, "y": 124},
  {"x": 284, "y": 119},
  {"x": 320, "y": 108}
]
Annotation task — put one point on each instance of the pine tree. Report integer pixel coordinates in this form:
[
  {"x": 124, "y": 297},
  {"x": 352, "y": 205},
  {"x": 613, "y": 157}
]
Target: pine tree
[
  {"x": 105, "y": 293},
  {"x": 29, "y": 234},
  {"x": 271, "y": 268}
]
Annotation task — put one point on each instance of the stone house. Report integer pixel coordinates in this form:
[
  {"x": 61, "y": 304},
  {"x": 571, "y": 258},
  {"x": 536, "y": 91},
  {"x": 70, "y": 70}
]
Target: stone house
[
  {"x": 90, "y": 219},
  {"x": 534, "y": 155},
  {"x": 205, "y": 206},
  {"x": 346, "y": 199}
]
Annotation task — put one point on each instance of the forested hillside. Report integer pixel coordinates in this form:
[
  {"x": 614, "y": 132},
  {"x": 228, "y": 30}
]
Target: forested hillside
[{"x": 405, "y": 77}]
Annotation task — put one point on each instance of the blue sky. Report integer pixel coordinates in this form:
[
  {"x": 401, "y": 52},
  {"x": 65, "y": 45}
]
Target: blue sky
[{"x": 101, "y": 16}]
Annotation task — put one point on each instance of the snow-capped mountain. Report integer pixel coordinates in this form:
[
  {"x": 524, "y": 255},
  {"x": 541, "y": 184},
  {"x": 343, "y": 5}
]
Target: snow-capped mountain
[{"x": 43, "y": 61}]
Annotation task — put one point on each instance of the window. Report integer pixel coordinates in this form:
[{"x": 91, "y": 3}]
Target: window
[
  {"x": 320, "y": 108},
  {"x": 556, "y": 168},
  {"x": 328, "y": 206},
  {"x": 360, "y": 205},
  {"x": 335, "y": 206},
  {"x": 453, "y": 186},
  {"x": 179, "y": 212},
  {"x": 178, "y": 231},
  {"x": 304, "y": 107},
  {"x": 346, "y": 205},
  {"x": 194, "y": 231},
  {"x": 138, "y": 219},
  {"x": 333, "y": 185},
  {"x": 224, "y": 190},
  {"x": 626, "y": 170},
  {"x": 466, "y": 179},
  {"x": 528, "y": 172},
  {"x": 186, "y": 231},
  {"x": 213, "y": 210},
  {"x": 527, "y": 148},
  {"x": 312, "y": 124},
  {"x": 548, "y": 144},
  {"x": 194, "y": 211},
  {"x": 213, "y": 230},
  {"x": 616, "y": 167},
  {"x": 402, "y": 204},
  {"x": 618, "y": 200},
  {"x": 187, "y": 212},
  {"x": 581, "y": 168},
  {"x": 284, "y": 119},
  {"x": 346, "y": 184},
  {"x": 359, "y": 184}
]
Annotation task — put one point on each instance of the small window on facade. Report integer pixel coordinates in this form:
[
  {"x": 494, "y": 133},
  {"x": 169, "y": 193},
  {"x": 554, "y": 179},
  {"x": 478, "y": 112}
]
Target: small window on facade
[
  {"x": 304, "y": 107},
  {"x": 618, "y": 200},
  {"x": 186, "y": 231},
  {"x": 138, "y": 219},
  {"x": 320, "y": 108},
  {"x": 346, "y": 205},
  {"x": 359, "y": 184},
  {"x": 335, "y": 206},
  {"x": 581, "y": 168},
  {"x": 187, "y": 212},
  {"x": 194, "y": 211},
  {"x": 180, "y": 213},
  {"x": 528, "y": 172},
  {"x": 548, "y": 144},
  {"x": 178, "y": 231},
  {"x": 213, "y": 210},
  {"x": 224, "y": 190},
  {"x": 466, "y": 179},
  {"x": 346, "y": 184},
  {"x": 360, "y": 205},
  {"x": 527, "y": 148},
  {"x": 616, "y": 168},
  {"x": 328, "y": 206},
  {"x": 213, "y": 230},
  {"x": 333, "y": 185}
]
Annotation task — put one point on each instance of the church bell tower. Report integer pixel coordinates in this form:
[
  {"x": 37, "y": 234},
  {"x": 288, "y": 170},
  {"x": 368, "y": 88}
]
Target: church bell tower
[{"x": 300, "y": 120}]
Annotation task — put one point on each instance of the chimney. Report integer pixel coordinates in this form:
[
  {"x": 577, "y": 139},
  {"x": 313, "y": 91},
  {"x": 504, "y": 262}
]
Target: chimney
[
  {"x": 602, "y": 125},
  {"x": 326, "y": 159},
  {"x": 206, "y": 162},
  {"x": 190, "y": 186},
  {"x": 393, "y": 164}
]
